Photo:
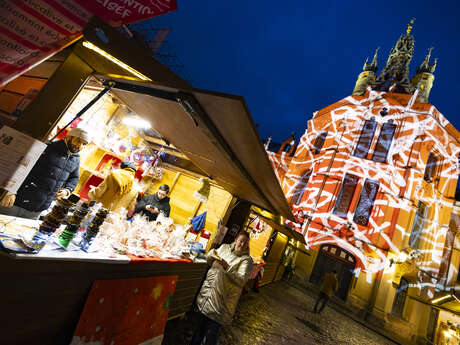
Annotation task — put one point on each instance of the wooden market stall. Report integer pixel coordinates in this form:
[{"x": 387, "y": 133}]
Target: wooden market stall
[
  {"x": 270, "y": 240},
  {"x": 211, "y": 132},
  {"x": 116, "y": 140}
]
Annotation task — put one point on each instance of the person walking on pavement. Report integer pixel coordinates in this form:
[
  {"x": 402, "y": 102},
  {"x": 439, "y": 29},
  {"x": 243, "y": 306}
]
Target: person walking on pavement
[
  {"x": 54, "y": 175},
  {"x": 329, "y": 285},
  {"x": 231, "y": 266}
]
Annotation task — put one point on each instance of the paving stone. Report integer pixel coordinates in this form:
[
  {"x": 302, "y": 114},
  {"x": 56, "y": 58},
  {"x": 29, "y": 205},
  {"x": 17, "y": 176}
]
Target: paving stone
[{"x": 281, "y": 314}]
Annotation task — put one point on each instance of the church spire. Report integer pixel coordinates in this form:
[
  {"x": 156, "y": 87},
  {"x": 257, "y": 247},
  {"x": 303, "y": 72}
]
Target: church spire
[
  {"x": 395, "y": 75},
  {"x": 397, "y": 66},
  {"x": 367, "y": 76},
  {"x": 374, "y": 60},
  {"x": 410, "y": 26},
  {"x": 433, "y": 66},
  {"x": 425, "y": 66},
  {"x": 424, "y": 77},
  {"x": 373, "y": 65}
]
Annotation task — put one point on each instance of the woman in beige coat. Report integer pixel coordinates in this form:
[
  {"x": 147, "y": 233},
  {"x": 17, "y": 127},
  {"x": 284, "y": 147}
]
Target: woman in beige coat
[
  {"x": 118, "y": 190},
  {"x": 231, "y": 266}
]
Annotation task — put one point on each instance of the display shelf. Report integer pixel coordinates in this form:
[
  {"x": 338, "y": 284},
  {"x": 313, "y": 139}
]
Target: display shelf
[
  {"x": 50, "y": 294},
  {"x": 60, "y": 255}
]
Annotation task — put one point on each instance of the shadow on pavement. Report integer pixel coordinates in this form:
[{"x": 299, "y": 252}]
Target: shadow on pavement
[{"x": 310, "y": 325}]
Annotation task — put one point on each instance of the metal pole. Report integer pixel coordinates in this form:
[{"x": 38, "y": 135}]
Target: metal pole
[{"x": 86, "y": 107}]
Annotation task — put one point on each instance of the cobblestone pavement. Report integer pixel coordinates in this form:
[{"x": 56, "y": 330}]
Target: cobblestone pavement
[{"x": 281, "y": 314}]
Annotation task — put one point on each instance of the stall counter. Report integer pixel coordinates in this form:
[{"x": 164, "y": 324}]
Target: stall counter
[{"x": 46, "y": 293}]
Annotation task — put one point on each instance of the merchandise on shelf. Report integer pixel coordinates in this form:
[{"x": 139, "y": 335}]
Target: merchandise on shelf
[
  {"x": 161, "y": 238},
  {"x": 50, "y": 224},
  {"x": 93, "y": 229},
  {"x": 204, "y": 238},
  {"x": 73, "y": 226}
]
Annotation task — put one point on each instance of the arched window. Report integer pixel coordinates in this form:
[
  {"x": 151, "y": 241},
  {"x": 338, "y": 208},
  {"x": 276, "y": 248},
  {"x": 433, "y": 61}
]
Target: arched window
[
  {"x": 366, "y": 202},
  {"x": 345, "y": 195},
  {"x": 400, "y": 298},
  {"x": 300, "y": 187},
  {"x": 365, "y": 139},
  {"x": 384, "y": 142},
  {"x": 430, "y": 168},
  {"x": 417, "y": 227},
  {"x": 319, "y": 142}
]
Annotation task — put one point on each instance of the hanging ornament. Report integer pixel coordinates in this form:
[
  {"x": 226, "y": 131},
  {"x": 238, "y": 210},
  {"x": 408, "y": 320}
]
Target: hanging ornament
[
  {"x": 258, "y": 227},
  {"x": 203, "y": 193},
  {"x": 138, "y": 156}
]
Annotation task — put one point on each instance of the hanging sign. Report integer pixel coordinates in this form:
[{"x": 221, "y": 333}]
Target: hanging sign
[
  {"x": 20, "y": 149},
  {"x": 33, "y": 30},
  {"x": 118, "y": 12}
]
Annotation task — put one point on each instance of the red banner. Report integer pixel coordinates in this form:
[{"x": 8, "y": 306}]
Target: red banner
[
  {"x": 118, "y": 12},
  {"x": 33, "y": 30},
  {"x": 126, "y": 311}
]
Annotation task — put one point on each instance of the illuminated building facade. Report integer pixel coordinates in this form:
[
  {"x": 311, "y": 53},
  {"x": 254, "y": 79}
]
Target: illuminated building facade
[{"x": 372, "y": 185}]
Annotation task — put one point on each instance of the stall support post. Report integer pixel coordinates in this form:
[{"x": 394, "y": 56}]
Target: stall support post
[
  {"x": 281, "y": 260},
  {"x": 174, "y": 182}
]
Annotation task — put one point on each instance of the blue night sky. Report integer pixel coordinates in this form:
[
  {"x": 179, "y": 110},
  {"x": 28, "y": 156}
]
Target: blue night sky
[{"x": 291, "y": 58}]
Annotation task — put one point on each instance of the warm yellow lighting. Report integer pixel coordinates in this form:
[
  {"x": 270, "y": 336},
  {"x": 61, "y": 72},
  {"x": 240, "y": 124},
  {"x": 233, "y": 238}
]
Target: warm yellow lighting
[
  {"x": 439, "y": 299},
  {"x": 136, "y": 122},
  {"x": 450, "y": 333},
  {"x": 98, "y": 50},
  {"x": 282, "y": 235},
  {"x": 402, "y": 257},
  {"x": 410, "y": 26}
]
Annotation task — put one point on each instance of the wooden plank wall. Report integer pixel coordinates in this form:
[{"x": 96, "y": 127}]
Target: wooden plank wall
[
  {"x": 303, "y": 264},
  {"x": 278, "y": 248},
  {"x": 43, "y": 300},
  {"x": 183, "y": 203},
  {"x": 258, "y": 243},
  {"x": 273, "y": 270},
  {"x": 13, "y": 92},
  {"x": 269, "y": 273}
]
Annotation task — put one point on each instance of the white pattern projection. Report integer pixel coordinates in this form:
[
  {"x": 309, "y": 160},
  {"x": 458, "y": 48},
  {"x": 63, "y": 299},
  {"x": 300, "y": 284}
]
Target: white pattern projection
[{"x": 420, "y": 129}]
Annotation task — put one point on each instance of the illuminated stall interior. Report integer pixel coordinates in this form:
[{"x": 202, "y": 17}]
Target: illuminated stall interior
[
  {"x": 273, "y": 242},
  {"x": 119, "y": 134},
  {"x": 195, "y": 134}
]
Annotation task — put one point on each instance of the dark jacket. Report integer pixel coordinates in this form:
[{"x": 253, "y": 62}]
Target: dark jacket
[
  {"x": 55, "y": 169},
  {"x": 152, "y": 200}
]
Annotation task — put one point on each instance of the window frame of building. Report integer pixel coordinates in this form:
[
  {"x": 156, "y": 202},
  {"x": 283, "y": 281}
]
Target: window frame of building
[
  {"x": 420, "y": 216},
  {"x": 300, "y": 187},
  {"x": 366, "y": 202},
  {"x": 319, "y": 142},
  {"x": 345, "y": 196},
  {"x": 384, "y": 142},
  {"x": 431, "y": 167},
  {"x": 399, "y": 300},
  {"x": 365, "y": 138}
]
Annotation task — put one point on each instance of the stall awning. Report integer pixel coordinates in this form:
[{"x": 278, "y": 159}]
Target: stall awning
[
  {"x": 215, "y": 131},
  {"x": 450, "y": 301},
  {"x": 291, "y": 233}
]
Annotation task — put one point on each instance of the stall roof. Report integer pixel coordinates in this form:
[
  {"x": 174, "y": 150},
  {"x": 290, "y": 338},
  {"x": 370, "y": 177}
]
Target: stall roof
[
  {"x": 215, "y": 131},
  {"x": 284, "y": 229}
]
